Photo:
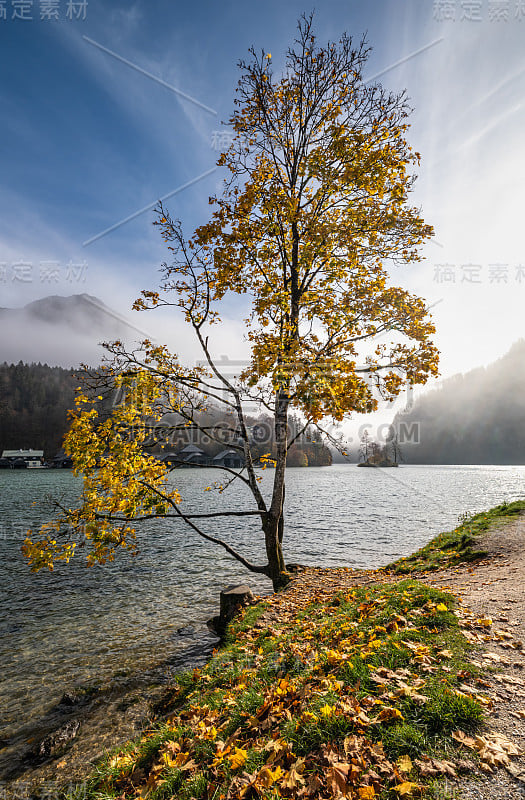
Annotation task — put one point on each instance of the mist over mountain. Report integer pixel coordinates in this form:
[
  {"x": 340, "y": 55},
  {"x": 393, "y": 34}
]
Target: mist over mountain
[
  {"x": 473, "y": 418},
  {"x": 61, "y": 331}
]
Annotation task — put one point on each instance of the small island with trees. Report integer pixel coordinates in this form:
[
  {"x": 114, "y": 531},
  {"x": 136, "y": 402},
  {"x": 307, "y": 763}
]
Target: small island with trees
[{"x": 373, "y": 454}]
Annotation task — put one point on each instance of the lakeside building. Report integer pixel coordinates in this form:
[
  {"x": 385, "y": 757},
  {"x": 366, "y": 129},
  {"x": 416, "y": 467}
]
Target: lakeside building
[
  {"x": 22, "y": 459},
  {"x": 189, "y": 456},
  {"x": 229, "y": 458},
  {"x": 193, "y": 456}
]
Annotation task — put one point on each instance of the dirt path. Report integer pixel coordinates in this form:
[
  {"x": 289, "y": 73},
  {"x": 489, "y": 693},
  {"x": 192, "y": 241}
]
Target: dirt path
[{"x": 495, "y": 589}]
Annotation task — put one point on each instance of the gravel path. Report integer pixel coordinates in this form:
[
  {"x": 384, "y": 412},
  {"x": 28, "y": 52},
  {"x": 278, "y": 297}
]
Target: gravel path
[{"x": 495, "y": 589}]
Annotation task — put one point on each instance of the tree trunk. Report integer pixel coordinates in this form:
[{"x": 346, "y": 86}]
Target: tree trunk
[
  {"x": 273, "y": 524},
  {"x": 281, "y": 519},
  {"x": 276, "y": 566}
]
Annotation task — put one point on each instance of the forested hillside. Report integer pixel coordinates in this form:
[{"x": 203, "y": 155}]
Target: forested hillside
[
  {"x": 34, "y": 404},
  {"x": 34, "y": 401},
  {"x": 475, "y": 418}
]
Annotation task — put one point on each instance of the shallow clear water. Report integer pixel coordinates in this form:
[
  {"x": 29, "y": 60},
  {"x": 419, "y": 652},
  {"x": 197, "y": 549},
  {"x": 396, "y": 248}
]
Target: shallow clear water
[{"x": 76, "y": 625}]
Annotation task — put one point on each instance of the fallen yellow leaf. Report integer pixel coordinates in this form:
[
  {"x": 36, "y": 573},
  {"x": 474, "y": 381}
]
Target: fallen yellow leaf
[
  {"x": 408, "y": 789},
  {"x": 387, "y": 713},
  {"x": 404, "y": 763},
  {"x": 462, "y": 738},
  {"x": 238, "y": 758},
  {"x": 267, "y": 777}
]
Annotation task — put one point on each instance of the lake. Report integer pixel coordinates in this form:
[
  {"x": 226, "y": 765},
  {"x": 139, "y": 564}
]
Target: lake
[{"x": 78, "y": 625}]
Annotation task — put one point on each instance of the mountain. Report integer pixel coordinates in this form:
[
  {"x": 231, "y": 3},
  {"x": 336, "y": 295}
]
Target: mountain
[
  {"x": 473, "y": 418},
  {"x": 62, "y": 331}
]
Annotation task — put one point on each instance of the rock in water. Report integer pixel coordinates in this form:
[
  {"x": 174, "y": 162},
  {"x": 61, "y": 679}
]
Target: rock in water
[{"x": 55, "y": 743}]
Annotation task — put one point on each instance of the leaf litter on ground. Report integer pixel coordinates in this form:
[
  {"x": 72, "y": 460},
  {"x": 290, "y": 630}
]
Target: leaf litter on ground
[{"x": 361, "y": 694}]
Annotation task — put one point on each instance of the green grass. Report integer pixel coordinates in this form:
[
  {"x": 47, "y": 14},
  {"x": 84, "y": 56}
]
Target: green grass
[
  {"x": 451, "y": 548},
  {"x": 280, "y": 700}
]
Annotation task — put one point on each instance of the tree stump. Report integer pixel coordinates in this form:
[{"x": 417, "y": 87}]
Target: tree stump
[{"x": 232, "y": 599}]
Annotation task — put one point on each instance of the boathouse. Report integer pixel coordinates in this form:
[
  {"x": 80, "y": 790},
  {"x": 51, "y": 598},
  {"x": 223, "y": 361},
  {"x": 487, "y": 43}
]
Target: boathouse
[{"x": 23, "y": 459}]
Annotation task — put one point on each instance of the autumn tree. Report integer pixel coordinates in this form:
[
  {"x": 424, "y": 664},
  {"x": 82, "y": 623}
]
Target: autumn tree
[{"x": 314, "y": 209}]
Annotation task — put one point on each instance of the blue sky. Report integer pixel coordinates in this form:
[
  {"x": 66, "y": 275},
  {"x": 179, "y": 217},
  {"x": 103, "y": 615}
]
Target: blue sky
[{"x": 88, "y": 141}]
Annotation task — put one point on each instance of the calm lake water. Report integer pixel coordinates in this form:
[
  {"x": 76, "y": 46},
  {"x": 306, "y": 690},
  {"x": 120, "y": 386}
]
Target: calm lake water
[{"x": 77, "y": 625}]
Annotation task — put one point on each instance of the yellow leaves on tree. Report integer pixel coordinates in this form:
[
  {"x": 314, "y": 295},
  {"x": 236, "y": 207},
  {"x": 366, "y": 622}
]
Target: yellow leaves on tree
[
  {"x": 323, "y": 209},
  {"x": 121, "y": 482}
]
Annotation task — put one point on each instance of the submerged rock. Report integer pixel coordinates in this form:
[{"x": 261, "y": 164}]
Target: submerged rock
[
  {"x": 54, "y": 743},
  {"x": 187, "y": 630},
  {"x": 77, "y": 696}
]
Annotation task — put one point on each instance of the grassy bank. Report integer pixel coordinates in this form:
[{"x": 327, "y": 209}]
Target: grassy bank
[
  {"x": 365, "y": 693},
  {"x": 451, "y": 548},
  {"x": 359, "y": 696}
]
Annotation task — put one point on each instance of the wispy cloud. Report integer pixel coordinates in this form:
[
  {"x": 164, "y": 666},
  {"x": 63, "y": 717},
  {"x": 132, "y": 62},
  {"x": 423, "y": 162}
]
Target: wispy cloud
[
  {"x": 491, "y": 125},
  {"x": 405, "y": 59},
  {"x": 497, "y": 91},
  {"x": 138, "y": 213},
  {"x": 155, "y": 78}
]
